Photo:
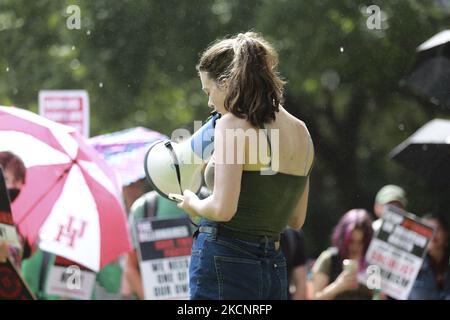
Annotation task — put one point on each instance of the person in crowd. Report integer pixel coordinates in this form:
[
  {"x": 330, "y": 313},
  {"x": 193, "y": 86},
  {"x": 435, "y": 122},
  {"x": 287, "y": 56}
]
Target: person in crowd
[
  {"x": 337, "y": 269},
  {"x": 388, "y": 195},
  {"x": 148, "y": 205},
  {"x": 433, "y": 280},
  {"x": 14, "y": 172},
  {"x": 293, "y": 246},
  {"x": 37, "y": 269}
]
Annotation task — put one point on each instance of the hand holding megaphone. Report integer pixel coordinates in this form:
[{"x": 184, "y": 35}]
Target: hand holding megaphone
[
  {"x": 176, "y": 197},
  {"x": 172, "y": 167}
]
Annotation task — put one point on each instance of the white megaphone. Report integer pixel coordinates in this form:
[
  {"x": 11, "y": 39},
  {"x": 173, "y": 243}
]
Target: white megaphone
[{"x": 172, "y": 167}]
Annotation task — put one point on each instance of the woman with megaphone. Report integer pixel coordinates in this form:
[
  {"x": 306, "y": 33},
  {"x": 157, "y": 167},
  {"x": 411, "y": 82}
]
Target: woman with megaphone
[{"x": 235, "y": 253}]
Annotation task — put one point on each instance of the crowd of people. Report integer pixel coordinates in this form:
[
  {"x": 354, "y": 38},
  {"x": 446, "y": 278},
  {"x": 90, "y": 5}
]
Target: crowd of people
[
  {"x": 237, "y": 250},
  {"x": 308, "y": 278}
]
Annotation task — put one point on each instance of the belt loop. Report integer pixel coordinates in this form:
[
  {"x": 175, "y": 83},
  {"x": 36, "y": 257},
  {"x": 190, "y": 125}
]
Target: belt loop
[{"x": 214, "y": 232}]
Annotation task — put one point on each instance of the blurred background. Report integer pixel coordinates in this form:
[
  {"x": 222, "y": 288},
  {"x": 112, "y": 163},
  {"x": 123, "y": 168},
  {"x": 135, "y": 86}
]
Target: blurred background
[{"x": 345, "y": 78}]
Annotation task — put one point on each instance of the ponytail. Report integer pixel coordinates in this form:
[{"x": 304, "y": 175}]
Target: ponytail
[{"x": 247, "y": 65}]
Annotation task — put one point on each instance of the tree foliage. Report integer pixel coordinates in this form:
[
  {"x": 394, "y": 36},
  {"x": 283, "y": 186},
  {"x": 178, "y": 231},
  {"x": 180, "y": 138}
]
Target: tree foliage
[{"x": 137, "y": 60}]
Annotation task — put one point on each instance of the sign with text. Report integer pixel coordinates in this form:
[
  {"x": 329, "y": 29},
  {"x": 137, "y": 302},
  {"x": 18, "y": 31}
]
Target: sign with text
[
  {"x": 12, "y": 286},
  {"x": 70, "y": 280},
  {"x": 8, "y": 231},
  {"x": 398, "y": 249},
  {"x": 164, "y": 253},
  {"x": 69, "y": 107}
]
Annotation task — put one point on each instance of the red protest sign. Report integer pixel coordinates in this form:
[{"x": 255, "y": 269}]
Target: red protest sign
[
  {"x": 12, "y": 286},
  {"x": 69, "y": 107}
]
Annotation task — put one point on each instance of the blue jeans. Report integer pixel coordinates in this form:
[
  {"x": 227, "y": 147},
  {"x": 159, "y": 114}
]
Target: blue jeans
[{"x": 223, "y": 268}]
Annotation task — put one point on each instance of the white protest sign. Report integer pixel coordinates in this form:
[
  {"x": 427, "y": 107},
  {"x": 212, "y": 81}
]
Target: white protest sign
[
  {"x": 398, "y": 250},
  {"x": 70, "y": 281},
  {"x": 164, "y": 254},
  {"x": 69, "y": 107},
  {"x": 8, "y": 234}
]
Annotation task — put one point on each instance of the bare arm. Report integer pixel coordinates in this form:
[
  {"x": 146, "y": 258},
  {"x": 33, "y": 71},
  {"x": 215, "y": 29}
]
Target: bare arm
[
  {"x": 222, "y": 204},
  {"x": 299, "y": 281},
  {"x": 323, "y": 290},
  {"x": 4, "y": 251},
  {"x": 298, "y": 217},
  {"x": 133, "y": 274}
]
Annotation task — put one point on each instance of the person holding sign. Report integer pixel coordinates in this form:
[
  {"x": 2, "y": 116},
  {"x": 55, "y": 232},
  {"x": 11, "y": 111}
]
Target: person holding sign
[
  {"x": 433, "y": 280},
  {"x": 335, "y": 272},
  {"x": 149, "y": 205},
  {"x": 260, "y": 180},
  {"x": 388, "y": 195}
]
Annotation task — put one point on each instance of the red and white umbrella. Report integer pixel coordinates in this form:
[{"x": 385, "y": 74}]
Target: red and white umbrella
[{"x": 71, "y": 202}]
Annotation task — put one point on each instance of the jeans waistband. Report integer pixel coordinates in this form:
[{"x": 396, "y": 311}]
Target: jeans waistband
[{"x": 227, "y": 232}]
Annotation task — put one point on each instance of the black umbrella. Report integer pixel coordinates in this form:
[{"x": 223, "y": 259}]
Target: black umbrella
[
  {"x": 427, "y": 152},
  {"x": 430, "y": 76}
]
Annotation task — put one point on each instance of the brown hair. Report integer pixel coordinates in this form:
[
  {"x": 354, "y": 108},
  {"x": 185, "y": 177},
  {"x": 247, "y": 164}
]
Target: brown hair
[
  {"x": 247, "y": 64},
  {"x": 9, "y": 161}
]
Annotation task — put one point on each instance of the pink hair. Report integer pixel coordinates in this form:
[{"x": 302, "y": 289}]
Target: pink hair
[{"x": 354, "y": 219}]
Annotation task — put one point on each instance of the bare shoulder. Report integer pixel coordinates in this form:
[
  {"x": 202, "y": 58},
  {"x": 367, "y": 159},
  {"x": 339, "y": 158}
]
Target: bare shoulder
[
  {"x": 300, "y": 127},
  {"x": 230, "y": 121}
]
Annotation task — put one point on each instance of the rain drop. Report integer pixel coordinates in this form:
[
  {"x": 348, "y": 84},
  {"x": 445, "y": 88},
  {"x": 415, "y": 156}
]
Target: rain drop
[
  {"x": 7, "y": 69},
  {"x": 342, "y": 49},
  {"x": 88, "y": 32},
  {"x": 73, "y": 47},
  {"x": 401, "y": 127},
  {"x": 100, "y": 84}
]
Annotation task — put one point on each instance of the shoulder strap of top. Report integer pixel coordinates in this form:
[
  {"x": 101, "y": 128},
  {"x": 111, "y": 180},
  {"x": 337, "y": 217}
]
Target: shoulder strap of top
[
  {"x": 310, "y": 146},
  {"x": 266, "y": 132},
  {"x": 308, "y": 151}
]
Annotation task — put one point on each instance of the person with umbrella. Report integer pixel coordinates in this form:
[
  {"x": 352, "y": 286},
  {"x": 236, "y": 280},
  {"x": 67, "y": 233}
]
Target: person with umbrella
[
  {"x": 14, "y": 172},
  {"x": 76, "y": 211},
  {"x": 433, "y": 280}
]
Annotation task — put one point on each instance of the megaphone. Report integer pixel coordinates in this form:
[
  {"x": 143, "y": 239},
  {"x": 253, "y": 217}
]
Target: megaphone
[{"x": 172, "y": 167}]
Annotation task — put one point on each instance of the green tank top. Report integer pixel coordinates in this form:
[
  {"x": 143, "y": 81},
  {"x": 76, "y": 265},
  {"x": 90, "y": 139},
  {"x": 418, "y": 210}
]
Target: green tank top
[{"x": 266, "y": 202}]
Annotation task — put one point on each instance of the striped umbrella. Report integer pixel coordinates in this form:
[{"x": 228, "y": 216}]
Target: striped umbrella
[
  {"x": 125, "y": 151},
  {"x": 71, "y": 200}
]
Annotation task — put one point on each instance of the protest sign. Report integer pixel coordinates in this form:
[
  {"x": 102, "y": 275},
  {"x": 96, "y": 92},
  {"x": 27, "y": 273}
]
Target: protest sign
[
  {"x": 69, "y": 280},
  {"x": 69, "y": 107},
  {"x": 164, "y": 253},
  {"x": 398, "y": 250}
]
